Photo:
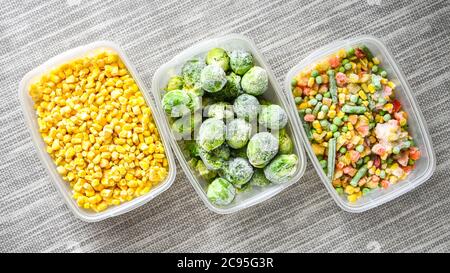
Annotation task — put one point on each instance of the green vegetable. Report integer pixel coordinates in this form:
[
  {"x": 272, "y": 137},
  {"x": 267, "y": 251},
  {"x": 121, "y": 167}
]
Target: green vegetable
[
  {"x": 298, "y": 100},
  {"x": 348, "y": 66},
  {"x": 314, "y": 73},
  {"x": 343, "y": 150},
  {"x": 339, "y": 190},
  {"x": 232, "y": 88},
  {"x": 285, "y": 143},
  {"x": 204, "y": 172},
  {"x": 259, "y": 179},
  {"x": 241, "y": 61},
  {"x": 281, "y": 168},
  {"x": 360, "y": 148},
  {"x": 351, "y": 109},
  {"x": 273, "y": 117},
  {"x": 387, "y": 117},
  {"x": 255, "y": 82},
  {"x": 317, "y": 108},
  {"x": 367, "y": 52},
  {"x": 246, "y": 107},
  {"x": 175, "y": 83},
  {"x": 365, "y": 191},
  {"x": 219, "y": 57},
  {"x": 238, "y": 171},
  {"x": 191, "y": 71},
  {"x": 331, "y": 158},
  {"x": 374, "y": 68},
  {"x": 333, "y": 86},
  {"x": 350, "y": 52},
  {"x": 211, "y": 134},
  {"x": 221, "y": 192},
  {"x": 312, "y": 102},
  {"x": 338, "y": 121},
  {"x": 261, "y": 148},
  {"x": 177, "y": 103},
  {"x": 359, "y": 174},
  {"x": 212, "y": 161},
  {"x": 376, "y": 81},
  {"x": 354, "y": 98},
  {"x": 319, "y": 80},
  {"x": 294, "y": 82},
  {"x": 238, "y": 133},
  {"x": 220, "y": 110},
  {"x": 213, "y": 78}
]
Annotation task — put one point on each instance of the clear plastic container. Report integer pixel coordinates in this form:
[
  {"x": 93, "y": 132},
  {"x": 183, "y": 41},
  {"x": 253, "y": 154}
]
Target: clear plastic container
[
  {"x": 424, "y": 166},
  {"x": 274, "y": 94},
  {"x": 63, "y": 186}
]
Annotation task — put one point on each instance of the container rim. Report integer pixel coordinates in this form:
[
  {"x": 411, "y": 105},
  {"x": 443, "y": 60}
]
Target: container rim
[
  {"x": 431, "y": 162},
  {"x": 30, "y": 120},
  {"x": 186, "y": 54}
]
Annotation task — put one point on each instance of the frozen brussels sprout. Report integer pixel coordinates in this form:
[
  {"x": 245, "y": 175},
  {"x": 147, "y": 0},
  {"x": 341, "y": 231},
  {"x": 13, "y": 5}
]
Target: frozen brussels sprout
[
  {"x": 196, "y": 89},
  {"x": 211, "y": 134},
  {"x": 286, "y": 145},
  {"x": 273, "y": 117},
  {"x": 204, "y": 172},
  {"x": 246, "y": 107},
  {"x": 255, "y": 81},
  {"x": 238, "y": 133},
  {"x": 190, "y": 148},
  {"x": 238, "y": 171},
  {"x": 175, "y": 83},
  {"x": 211, "y": 160},
  {"x": 220, "y": 110},
  {"x": 221, "y": 192},
  {"x": 281, "y": 169},
  {"x": 219, "y": 57},
  {"x": 232, "y": 89},
  {"x": 177, "y": 103},
  {"x": 261, "y": 148},
  {"x": 213, "y": 78},
  {"x": 259, "y": 179},
  {"x": 222, "y": 152},
  {"x": 241, "y": 61},
  {"x": 242, "y": 152},
  {"x": 192, "y": 70},
  {"x": 185, "y": 125}
]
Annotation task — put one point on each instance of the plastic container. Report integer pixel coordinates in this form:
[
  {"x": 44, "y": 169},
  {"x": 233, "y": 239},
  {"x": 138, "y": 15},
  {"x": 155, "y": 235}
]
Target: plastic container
[
  {"x": 274, "y": 94},
  {"x": 63, "y": 186},
  {"x": 424, "y": 166}
]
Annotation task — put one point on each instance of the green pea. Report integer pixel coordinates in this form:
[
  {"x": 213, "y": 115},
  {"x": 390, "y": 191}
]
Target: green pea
[
  {"x": 396, "y": 150},
  {"x": 336, "y": 134},
  {"x": 411, "y": 162},
  {"x": 382, "y": 174},
  {"x": 359, "y": 101},
  {"x": 371, "y": 125},
  {"x": 301, "y": 111},
  {"x": 333, "y": 128},
  {"x": 359, "y": 162},
  {"x": 324, "y": 108},
  {"x": 323, "y": 163},
  {"x": 387, "y": 117},
  {"x": 375, "y": 68},
  {"x": 351, "y": 52},
  {"x": 390, "y": 160},
  {"x": 313, "y": 102},
  {"x": 294, "y": 82},
  {"x": 383, "y": 74},
  {"x": 337, "y": 121},
  {"x": 339, "y": 190},
  {"x": 360, "y": 148},
  {"x": 327, "y": 95},
  {"x": 319, "y": 97},
  {"x": 343, "y": 150},
  {"x": 345, "y": 61},
  {"x": 354, "y": 98},
  {"x": 319, "y": 80},
  {"x": 365, "y": 191},
  {"x": 381, "y": 100},
  {"x": 382, "y": 113},
  {"x": 308, "y": 111},
  {"x": 298, "y": 100},
  {"x": 366, "y": 159},
  {"x": 314, "y": 73},
  {"x": 324, "y": 123},
  {"x": 341, "y": 69},
  {"x": 344, "y": 129},
  {"x": 348, "y": 66},
  {"x": 345, "y": 118},
  {"x": 319, "y": 157}
]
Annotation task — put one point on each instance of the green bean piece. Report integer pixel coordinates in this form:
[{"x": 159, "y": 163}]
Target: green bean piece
[
  {"x": 331, "y": 158},
  {"x": 351, "y": 109},
  {"x": 306, "y": 126},
  {"x": 317, "y": 108},
  {"x": 367, "y": 52},
  {"x": 333, "y": 86},
  {"x": 359, "y": 174}
]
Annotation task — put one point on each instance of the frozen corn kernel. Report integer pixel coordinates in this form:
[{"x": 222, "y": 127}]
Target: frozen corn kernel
[{"x": 99, "y": 130}]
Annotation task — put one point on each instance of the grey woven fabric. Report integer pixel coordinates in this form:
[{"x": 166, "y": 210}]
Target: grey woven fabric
[{"x": 33, "y": 216}]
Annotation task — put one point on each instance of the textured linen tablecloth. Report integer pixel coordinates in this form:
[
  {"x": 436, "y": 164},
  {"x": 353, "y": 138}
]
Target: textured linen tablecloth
[{"x": 33, "y": 216}]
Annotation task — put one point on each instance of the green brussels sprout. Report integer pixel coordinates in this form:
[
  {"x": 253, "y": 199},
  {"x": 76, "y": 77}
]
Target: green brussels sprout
[
  {"x": 243, "y": 188},
  {"x": 255, "y": 81},
  {"x": 259, "y": 179},
  {"x": 220, "y": 192},
  {"x": 238, "y": 133},
  {"x": 232, "y": 89},
  {"x": 219, "y": 57},
  {"x": 222, "y": 152},
  {"x": 212, "y": 161},
  {"x": 261, "y": 148},
  {"x": 286, "y": 145},
  {"x": 185, "y": 125},
  {"x": 190, "y": 148},
  {"x": 242, "y": 152},
  {"x": 273, "y": 117},
  {"x": 211, "y": 134},
  {"x": 219, "y": 110},
  {"x": 175, "y": 83},
  {"x": 196, "y": 89},
  {"x": 213, "y": 78},
  {"x": 238, "y": 171},
  {"x": 246, "y": 107},
  {"x": 204, "y": 172},
  {"x": 241, "y": 61},
  {"x": 177, "y": 103},
  {"x": 281, "y": 169},
  {"x": 191, "y": 71}
]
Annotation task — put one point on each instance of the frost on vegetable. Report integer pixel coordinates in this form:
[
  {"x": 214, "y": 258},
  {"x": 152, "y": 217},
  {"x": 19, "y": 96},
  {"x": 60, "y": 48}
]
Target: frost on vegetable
[
  {"x": 285, "y": 143},
  {"x": 177, "y": 103},
  {"x": 255, "y": 81},
  {"x": 211, "y": 134},
  {"x": 221, "y": 192},
  {"x": 241, "y": 61},
  {"x": 232, "y": 89},
  {"x": 238, "y": 133},
  {"x": 204, "y": 172},
  {"x": 213, "y": 78},
  {"x": 246, "y": 107},
  {"x": 191, "y": 71},
  {"x": 281, "y": 168},
  {"x": 259, "y": 179},
  {"x": 220, "y": 110},
  {"x": 273, "y": 117},
  {"x": 261, "y": 148},
  {"x": 175, "y": 83},
  {"x": 238, "y": 171},
  {"x": 213, "y": 161},
  {"x": 185, "y": 125},
  {"x": 218, "y": 56}
]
